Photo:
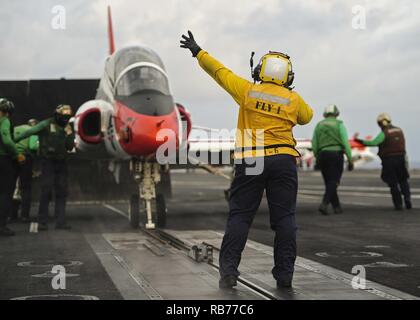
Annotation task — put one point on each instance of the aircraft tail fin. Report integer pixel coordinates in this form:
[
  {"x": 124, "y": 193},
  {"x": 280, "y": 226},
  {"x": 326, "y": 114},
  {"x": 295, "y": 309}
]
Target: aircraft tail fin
[{"x": 110, "y": 33}]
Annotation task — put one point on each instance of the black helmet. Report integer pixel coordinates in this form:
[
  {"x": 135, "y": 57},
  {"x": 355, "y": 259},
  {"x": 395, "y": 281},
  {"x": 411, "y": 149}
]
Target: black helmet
[{"x": 6, "y": 106}]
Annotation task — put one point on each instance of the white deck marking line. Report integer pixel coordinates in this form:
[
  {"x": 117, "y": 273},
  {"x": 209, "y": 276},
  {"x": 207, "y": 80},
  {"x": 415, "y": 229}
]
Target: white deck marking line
[
  {"x": 358, "y": 174},
  {"x": 207, "y": 186},
  {"x": 356, "y": 194},
  {"x": 313, "y": 188},
  {"x": 364, "y": 204},
  {"x": 316, "y": 199},
  {"x": 356, "y": 188},
  {"x": 88, "y": 202},
  {"x": 139, "y": 279},
  {"x": 112, "y": 208}
]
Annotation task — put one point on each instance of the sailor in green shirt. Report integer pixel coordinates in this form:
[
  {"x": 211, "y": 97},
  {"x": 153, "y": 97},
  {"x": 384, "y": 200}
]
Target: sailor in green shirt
[
  {"x": 329, "y": 143},
  {"x": 8, "y": 156},
  {"x": 29, "y": 148},
  {"x": 56, "y": 138},
  {"x": 29, "y": 145}
]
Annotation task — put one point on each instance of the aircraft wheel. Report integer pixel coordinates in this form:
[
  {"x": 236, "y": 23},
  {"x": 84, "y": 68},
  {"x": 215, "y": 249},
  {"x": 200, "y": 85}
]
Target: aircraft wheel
[
  {"x": 134, "y": 212},
  {"x": 164, "y": 186},
  {"x": 161, "y": 210}
]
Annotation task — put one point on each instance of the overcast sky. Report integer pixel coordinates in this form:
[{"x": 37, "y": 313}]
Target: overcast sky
[{"x": 363, "y": 71}]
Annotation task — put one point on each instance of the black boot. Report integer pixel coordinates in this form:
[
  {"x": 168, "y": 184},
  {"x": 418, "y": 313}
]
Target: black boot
[
  {"x": 228, "y": 282},
  {"x": 25, "y": 220},
  {"x": 323, "y": 208},
  {"x": 6, "y": 232},
  {"x": 282, "y": 284},
  {"x": 42, "y": 227},
  {"x": 408, "y": 204},
  {"x": 338, "y": 210},
  {"x": 63, "y": 226}
]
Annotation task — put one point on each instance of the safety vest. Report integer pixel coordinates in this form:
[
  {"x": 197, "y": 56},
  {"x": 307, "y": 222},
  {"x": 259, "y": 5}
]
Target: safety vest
[
  {"x": 266, "y": 118},
  {"x": 52, "y": 141},
  {"x": 394, "y": 143},
  {"x": 328, "y": 132}
]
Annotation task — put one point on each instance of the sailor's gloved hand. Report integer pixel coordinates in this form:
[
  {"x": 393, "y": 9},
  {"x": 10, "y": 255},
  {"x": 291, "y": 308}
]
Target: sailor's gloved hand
[
  {"x": 20, "y": 158},
  {"x": 350, "y": 166},
  {"x": 188, "y": 42},
  {"x": 358, "y": 140},
  {"x": 68, "y": 130}
]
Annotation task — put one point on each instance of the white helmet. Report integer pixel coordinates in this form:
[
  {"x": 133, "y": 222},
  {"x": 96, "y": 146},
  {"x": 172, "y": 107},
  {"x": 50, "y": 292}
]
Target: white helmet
[
  {"x": 384, "y": 119},
  {"x": 331, "y": 110}
]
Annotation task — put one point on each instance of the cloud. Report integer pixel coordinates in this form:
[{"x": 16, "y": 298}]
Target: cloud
[{"x": 365, "y": 72}]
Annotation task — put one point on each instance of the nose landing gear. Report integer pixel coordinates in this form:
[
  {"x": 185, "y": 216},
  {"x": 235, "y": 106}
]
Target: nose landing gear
[{"x": 147, "y": 203}]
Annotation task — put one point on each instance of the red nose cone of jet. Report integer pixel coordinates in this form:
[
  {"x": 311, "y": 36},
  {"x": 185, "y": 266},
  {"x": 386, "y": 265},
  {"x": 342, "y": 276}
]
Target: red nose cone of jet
[{"x": 140, "y": 135}]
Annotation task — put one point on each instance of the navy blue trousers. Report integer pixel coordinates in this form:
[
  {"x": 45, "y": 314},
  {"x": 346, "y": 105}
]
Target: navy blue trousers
[
  {"x": 7, "y": 187},
  {"x": 331, "y": 163},
  {"x": 53, "y": 177},
  {"x": 24, "y": 173},
  {"x": 395, "y": 174},
  {"x": 279, "y": 179}
]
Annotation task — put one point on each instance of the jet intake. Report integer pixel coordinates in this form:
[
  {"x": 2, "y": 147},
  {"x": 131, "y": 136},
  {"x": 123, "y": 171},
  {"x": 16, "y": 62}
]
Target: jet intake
[
  {"x": 95, "y": 130},
  {"x": 89, "y": 126}
]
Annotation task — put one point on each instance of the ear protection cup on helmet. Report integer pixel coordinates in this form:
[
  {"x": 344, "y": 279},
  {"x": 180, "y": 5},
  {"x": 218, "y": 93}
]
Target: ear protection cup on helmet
[
  {"x": 290, "y": 79},
  {"x": 256, "y": 73}
]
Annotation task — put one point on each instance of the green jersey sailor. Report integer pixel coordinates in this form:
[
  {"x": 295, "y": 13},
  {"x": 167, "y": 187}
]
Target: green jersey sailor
[{"x": 55, "y": 140}]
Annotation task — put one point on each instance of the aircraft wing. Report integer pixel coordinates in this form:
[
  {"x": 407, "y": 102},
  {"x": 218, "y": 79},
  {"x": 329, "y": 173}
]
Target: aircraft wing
[
  {"x": 211, "y": 148},
  {"x": 361, "y": 154},
  {"x": 214, "y": 152},
  {"x": 218, "y": 142}
]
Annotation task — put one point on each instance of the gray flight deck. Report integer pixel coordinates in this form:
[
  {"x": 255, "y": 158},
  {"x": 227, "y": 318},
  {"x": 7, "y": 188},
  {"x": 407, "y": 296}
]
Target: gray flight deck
[{"x": 105, "y": 259}]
